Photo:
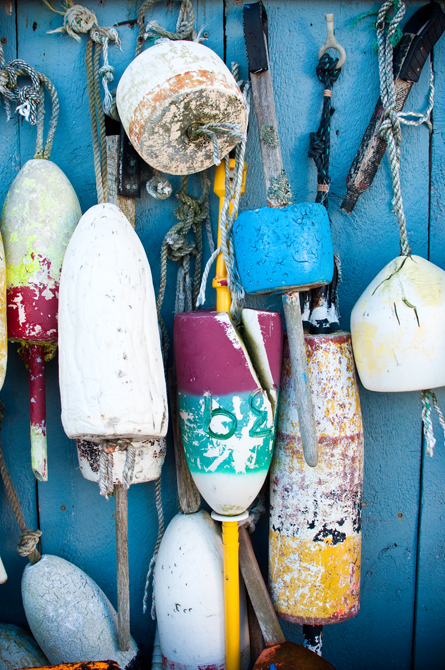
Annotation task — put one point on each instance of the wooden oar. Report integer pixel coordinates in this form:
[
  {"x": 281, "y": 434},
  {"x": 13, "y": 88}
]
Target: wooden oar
[{"x": 284, "y": 655}]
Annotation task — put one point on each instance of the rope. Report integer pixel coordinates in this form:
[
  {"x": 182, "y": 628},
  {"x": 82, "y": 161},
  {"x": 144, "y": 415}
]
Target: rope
[
  {"x": 76, "y": 19},
  {"x": 106, "y": 486},
  {"x": 391, "y": 132},
  {"x": 231, "y": 130},
  {"x": 130, "y": 462},
  {"x": 184, "y": 26},
  {"x": 29, "y": 538},
  {"x": 232, "y": 193},
  {"x": 429, "y": 398},
  {"x": 176, "y": 246},
  {"x": 156, "y": 550},
  {"x": 31, "y": 100},
  {"x": 320, "y": 142}
]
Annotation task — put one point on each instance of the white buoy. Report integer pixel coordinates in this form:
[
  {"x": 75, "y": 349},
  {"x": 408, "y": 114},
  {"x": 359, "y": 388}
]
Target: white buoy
[
  {"x": 189, "y": 596},
  {"x": 18, "y": 649},
  {"x": 3, "y": 575},
  {"x": 398, "y": 327},
  {"x": 170, "y": 91},
  {"x": 111, "y": 372},
  {"x": 70, "y": 617}
]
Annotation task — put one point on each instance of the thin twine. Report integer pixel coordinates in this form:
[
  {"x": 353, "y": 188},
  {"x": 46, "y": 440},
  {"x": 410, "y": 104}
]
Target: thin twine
[
  {"x": 29, "y": 539},
  {"x": 31, "y": 99},
  {"x": 160, "y": 512},
  {"x": 391, "y": 132},
  {"x": 232, "y": 193}
]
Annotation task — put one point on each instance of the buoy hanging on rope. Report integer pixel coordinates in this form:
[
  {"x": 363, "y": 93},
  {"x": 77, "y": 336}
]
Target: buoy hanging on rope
[
  {"x": 111, "y": 372},
  {"x": 398, "y": 327},
  {"x": 314, "y": 537},
  {"x": 39, "y": 215},
  {"x": 189, "y": 595},
  {"x": 18, "y": 649},
  {"x": 70, "y": 616},
  {"x": 181, "y": 107}
]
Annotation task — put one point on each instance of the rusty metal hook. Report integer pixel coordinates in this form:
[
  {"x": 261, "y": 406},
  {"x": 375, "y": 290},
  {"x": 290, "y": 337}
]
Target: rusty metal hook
[{"x": 331, "y": 42}]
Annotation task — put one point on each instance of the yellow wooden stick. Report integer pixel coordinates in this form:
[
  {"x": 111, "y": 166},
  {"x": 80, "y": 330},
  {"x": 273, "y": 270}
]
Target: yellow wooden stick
[
  {"x": 229, "y": 527},
  {"x": 223, "y": 299}
]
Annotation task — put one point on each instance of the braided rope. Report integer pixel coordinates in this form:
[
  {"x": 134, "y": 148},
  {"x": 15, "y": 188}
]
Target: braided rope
[
  {"x": 151, "y": 567},
  {"x": 184, "y": 26},
  {"x": 320, "y": 142},
  {"x": 94, "y": 130},
  {"x": 130, "y": 462},
  {"x": 429, "y": 400},
  {"x": 211, "y": 130},
  {"x": 105, "y": 471},
  {"x": 29, "y": 538},
  {"x": 31, "y": 100},
  {"x": 76, "y": 20}
]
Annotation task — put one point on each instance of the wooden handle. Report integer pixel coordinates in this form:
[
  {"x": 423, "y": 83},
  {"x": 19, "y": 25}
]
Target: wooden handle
[
  {"x": 300, "y": 374},
  {"x": 123, "y": 578},
  {"x": 258, "y": 592},
  {"x": 188, "y": 494},
  {"x": 263, "y": 99}
]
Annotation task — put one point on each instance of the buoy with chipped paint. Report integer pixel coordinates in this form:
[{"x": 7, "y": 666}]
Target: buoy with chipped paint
[
  {"x": 111, "y": 372},
  {"x": 228, "y": 391},
  {"x": 189, "y": 596},
  {"x": 70, "y": 616},
  {"x": 315, "y": 537},
  {"x": 398, "y": 327},
  {"x": 18, "y": 649},
  {"x": 39, "y": 215},
  {"x": 171, "y": 91}
]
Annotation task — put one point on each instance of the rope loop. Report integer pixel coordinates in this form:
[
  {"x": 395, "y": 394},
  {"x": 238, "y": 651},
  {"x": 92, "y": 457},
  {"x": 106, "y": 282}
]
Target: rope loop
[
  {"x": 185, "y": 26},
  {"x": 231, "y": 130},
  {"x": 76, "y": 20},
  {"x": 28, "y": 542}
]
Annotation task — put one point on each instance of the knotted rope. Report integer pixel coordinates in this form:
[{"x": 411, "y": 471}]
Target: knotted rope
[
  {"x": 320, "y": 142},
  {"x": 231, "y": 130},
  {"x": 232, "y": 193},
  {"x": 391, "y": 132},
  {"x": 29, "y": 539},
  {"x": 185, "y": 29},
  {"x": 177, "y": 246},
  {"x": 31, "y": 100}
]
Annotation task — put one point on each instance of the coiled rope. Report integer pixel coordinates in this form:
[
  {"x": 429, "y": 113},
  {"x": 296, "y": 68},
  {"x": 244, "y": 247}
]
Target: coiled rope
[
  {"x": 392, "y": 134},
  {"x": 29, "y": 539}
]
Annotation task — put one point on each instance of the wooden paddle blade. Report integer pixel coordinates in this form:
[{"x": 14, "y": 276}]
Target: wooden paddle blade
[{"x": 291, "y": 656}]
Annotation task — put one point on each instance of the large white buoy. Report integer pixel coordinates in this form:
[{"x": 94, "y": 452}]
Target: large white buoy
[
  {"x": 69, "y": 615},
  {"x": 168, "y": 93},
  {"x": 189, "y": 596},
  {"x": 18, "y": 649},
  {"x": 398, "y": 327},
  {"x": 110, "y": 367}
]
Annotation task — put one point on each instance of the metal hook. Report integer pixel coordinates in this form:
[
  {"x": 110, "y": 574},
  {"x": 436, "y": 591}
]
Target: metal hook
[{"x": 331, "y": 43}]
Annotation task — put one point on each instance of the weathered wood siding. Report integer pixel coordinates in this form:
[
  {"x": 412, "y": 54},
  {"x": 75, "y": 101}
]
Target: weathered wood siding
[{"x": 401, "y": 624}]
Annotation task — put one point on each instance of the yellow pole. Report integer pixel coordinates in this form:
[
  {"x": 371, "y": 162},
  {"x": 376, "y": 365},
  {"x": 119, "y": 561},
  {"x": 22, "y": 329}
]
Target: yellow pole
[
  {"x": 223, "y": 300},
  {"x": 229, "y": 527}
]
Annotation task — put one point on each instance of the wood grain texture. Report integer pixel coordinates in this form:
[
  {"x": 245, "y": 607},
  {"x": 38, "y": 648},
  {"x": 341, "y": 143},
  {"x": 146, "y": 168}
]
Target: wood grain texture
[{"x": 77, "y": 523}]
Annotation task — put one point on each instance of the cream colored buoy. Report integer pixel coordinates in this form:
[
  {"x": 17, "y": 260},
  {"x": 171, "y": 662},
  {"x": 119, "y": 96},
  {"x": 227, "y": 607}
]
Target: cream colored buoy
[
  {"x": 189, "y": 596},
  {"x": 3, "y": 575},
  {"x": 69, "y": 615},
  {"x": 398, "y": 327},
  {"x": 168, "y": 93},
  {"x": 110, "y": 366},
  {"x": 18, "y": 649}
]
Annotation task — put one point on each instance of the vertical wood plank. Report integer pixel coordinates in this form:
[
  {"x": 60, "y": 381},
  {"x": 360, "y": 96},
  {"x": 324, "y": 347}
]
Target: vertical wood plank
[{"x": 430, "y": 612}]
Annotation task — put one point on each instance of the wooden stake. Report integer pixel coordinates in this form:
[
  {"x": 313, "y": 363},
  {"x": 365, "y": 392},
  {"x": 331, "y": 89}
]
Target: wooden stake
[{"x": 123, "y": 577}]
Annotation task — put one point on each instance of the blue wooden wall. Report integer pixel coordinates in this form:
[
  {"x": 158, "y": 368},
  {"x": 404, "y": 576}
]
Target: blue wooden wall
[{"x": 402, "y": 619}]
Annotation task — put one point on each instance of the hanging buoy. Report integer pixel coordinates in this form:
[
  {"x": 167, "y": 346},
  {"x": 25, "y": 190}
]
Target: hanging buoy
[
  {"x": 315, "y": 513},
  {"x": 40, "y": 213},
  {"x": 18, "y": 649},
  {"x": 189, "y": 595},
  {"x": 226, "y": 402},
  {"x": 69, "y": 615},
  {"x": 111, "y": 373},
  {"x": 167, "y": 97},
  {"x": 398, "y": 327}
]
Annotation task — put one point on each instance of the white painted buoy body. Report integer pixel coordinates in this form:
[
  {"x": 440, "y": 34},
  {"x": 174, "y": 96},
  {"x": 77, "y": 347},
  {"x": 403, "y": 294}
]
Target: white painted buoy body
[
  {"x": 110, "y": 365},
  {"x": 189, "y": 596},
  {"x": 398, "y": 327},
  {"x": 69, "y": 615},
  {"x": 18, "y": 649},
  {"x": 315, "y": 512},
  {"x": 149, "y": 458},
  {"x": 171, "y": 88}
]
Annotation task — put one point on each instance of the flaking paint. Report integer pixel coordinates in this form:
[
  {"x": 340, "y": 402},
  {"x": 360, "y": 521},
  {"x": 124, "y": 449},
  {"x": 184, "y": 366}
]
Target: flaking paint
[{"x": 315, "y": 517}]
